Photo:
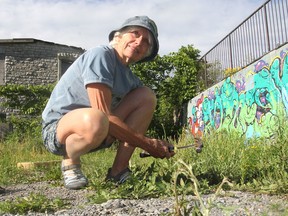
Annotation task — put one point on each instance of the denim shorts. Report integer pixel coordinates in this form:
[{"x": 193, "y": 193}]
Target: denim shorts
[
  {"x": 51, "y": 143},
  {"x": 50, "y": 140}
]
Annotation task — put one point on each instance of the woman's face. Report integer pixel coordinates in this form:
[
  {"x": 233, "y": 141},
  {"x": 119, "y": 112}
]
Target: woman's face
[{"x": 133, "y": 45}]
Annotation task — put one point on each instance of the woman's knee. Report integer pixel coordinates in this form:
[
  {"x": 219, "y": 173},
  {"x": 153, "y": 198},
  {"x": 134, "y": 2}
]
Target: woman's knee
[
  {"x": 95, "y": 125},
  {"x": 90, "y": 124},
  {"x": 147, "y": 96}
]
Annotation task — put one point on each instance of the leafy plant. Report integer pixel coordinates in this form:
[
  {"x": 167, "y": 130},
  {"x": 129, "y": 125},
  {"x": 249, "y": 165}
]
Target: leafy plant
[
  {"x": 152, "y": 180},
  {"x": 25, "y": 104},
  {"x": 199, "y": 208},
  {"x": 34, "y": 202},
  {"x": 27, "y": 99},
  {"x": 173, "y": 77},
  {"x": 224, "y": 154}
]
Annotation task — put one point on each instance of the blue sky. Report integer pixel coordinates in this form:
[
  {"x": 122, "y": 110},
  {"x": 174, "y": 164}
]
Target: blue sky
[{"x": 87, "y": 23}]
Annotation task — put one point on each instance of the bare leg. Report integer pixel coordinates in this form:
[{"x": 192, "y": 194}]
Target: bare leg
[
  {"x": 136, "y": 110},
  {"x": 81, "y": 130}
]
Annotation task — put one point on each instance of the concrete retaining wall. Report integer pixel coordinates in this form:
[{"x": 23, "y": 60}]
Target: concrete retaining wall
[{"x": 252, "y": 102}]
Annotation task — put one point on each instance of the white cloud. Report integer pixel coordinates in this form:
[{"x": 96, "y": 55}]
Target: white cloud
[{"x": 87, "y": 23}]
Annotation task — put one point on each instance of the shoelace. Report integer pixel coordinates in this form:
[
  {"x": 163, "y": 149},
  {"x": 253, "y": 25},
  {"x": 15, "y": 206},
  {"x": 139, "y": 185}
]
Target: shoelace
[{"x": 74, "y": 174}]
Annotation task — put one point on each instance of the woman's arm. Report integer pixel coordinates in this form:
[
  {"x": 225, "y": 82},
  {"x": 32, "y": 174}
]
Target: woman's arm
[{"x": 100, "y": 97}]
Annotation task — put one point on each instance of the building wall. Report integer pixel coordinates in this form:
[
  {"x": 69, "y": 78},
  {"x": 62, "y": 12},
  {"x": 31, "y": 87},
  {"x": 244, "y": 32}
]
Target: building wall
[
  {"x": 252, "y": 102},
  {"x": 30, "y": 61}
]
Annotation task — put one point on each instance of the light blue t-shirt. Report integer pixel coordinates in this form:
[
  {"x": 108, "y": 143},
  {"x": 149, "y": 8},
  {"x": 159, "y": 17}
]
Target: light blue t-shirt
[{"x": 97, "y": 65}]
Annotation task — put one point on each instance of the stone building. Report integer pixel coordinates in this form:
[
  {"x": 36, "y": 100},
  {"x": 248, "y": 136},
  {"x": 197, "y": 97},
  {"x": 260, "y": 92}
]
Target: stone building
[
  {"x": 29, "y": 61},
  {"x": 35, "y": 62}
]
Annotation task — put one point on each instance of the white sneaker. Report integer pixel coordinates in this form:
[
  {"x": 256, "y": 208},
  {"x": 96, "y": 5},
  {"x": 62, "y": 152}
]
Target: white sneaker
[{"x": 73, "y": 177}]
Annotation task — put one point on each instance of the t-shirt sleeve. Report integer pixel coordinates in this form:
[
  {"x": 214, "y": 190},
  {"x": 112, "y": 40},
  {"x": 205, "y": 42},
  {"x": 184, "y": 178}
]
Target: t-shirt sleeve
[{"x": 98, "y": 66}]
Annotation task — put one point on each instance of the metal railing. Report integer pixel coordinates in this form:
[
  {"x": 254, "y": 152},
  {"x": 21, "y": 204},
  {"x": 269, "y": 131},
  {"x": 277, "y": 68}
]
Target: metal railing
[{"x": 264, "y": 30}]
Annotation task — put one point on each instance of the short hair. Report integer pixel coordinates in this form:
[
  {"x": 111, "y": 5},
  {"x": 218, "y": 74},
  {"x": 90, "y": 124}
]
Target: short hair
[{"x": 113, "y": 42}]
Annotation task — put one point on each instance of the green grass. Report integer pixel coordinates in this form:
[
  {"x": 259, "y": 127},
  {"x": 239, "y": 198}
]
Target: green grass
[
  {"x": 34, "y": 202},
  {"x": 258, "y": 165}
]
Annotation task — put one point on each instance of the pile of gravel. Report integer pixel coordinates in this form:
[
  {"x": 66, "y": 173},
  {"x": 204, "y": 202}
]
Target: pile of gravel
[{"x": 231, "y": 203}]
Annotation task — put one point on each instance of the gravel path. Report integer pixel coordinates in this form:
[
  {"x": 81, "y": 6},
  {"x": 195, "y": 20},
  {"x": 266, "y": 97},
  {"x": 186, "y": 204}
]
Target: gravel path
[{"x": 233, "y": 203}]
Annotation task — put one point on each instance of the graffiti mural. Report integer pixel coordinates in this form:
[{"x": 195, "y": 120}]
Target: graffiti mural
[{"x": 250, "y": 102}]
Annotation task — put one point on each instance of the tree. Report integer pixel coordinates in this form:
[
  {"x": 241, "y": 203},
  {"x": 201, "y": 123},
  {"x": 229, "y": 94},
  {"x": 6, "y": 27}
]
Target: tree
[
  {"x": 173, "y": 77},
  {"x": 181, "y": 87}
]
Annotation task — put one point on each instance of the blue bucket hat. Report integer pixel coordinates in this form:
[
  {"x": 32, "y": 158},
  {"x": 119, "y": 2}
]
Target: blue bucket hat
[{"x": 145, "y": 22}]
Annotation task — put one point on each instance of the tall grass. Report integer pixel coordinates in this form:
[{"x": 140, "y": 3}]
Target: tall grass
[{"x": 256, "y": 165}]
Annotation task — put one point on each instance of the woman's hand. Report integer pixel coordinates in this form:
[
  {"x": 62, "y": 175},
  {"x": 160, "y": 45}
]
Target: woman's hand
[{"x": 160, "y": 148}]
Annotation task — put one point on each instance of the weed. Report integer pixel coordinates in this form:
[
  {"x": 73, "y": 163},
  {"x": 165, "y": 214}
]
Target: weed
[
  {"x": 255, "y": 165},
  {"x": 34, "y": 202},
  {"x": 181, "y": 205}
]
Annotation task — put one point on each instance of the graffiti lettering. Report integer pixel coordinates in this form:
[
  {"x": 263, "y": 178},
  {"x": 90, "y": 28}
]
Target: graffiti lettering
[{"x": 248, "y": 102}]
